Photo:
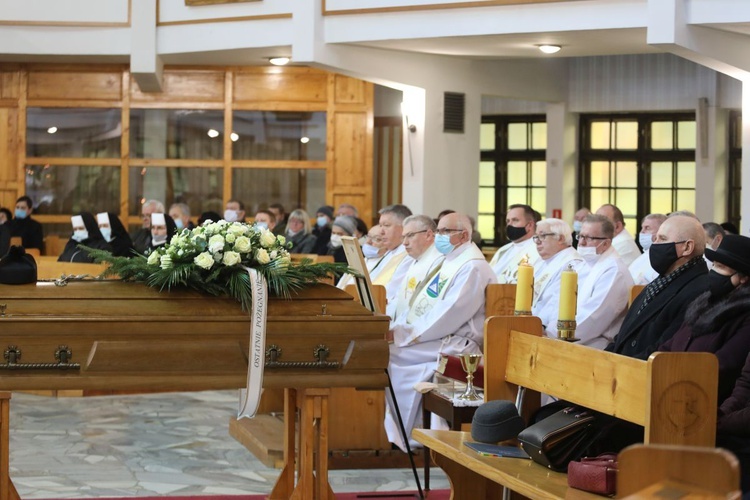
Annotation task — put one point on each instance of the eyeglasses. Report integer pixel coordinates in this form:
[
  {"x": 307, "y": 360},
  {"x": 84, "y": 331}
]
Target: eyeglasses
[
  {"x": 589, "y": 239},
  {"x": 409, "y": 236},
  {"x": 445, "y": 231},
  {"x": 539, "y": 237}
]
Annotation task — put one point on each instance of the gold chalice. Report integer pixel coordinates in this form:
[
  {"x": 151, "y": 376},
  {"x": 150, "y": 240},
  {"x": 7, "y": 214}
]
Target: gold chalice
[{"x": 470, "y": 363}]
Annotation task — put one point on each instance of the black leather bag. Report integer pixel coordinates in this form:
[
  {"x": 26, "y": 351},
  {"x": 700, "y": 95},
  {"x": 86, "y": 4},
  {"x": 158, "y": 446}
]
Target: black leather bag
[
  {"x": 17, "y": 267},
  {"x": 560, "y": 438}
]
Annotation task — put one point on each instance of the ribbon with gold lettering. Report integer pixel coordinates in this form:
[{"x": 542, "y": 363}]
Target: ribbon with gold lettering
[{"x": 250, "y": 396}]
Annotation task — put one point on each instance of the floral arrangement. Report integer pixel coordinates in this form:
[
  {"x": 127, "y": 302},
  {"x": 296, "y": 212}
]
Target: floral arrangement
[{"x": 213, "y": 258}]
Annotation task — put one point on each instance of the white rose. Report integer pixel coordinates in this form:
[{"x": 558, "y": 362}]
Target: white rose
[
  {"x": 267, "y": 238},
  {"x": 242, "y": 244},
  {"x": 204, "y": 260},
  {"x": 153, "y": 259},
  {"x": 231, "y": 259},
  {"x": 281, "y": 239},
  {"x": 166, "y": 261},
  {"x": 237, "y": 228},
  {"x": 230, "y": 238},
  {"x": 274, "y": 254},
  {"x": 262, "y": 256},
  {"x": 216, "y": 243}
]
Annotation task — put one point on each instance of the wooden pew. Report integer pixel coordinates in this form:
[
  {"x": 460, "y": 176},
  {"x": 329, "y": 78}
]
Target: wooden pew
[
  {"x": 673, "y": 395},
  {"x": 664, "y": 471}
]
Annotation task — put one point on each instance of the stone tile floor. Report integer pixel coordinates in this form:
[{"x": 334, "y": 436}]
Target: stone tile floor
[{"x": 151, "y": 444}]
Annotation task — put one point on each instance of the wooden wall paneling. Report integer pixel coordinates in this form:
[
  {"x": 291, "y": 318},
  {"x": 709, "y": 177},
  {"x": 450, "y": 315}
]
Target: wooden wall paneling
[
  {"x": 10, "y": 82},
  {"x": 297, "y": 85},
  {"x": 183, "y": 85},
  {"x": 8, "y": 157},
  {"x": 75, "y": 85},
  {"x": 350, "y": 90},
  {"x": 20, "y": 166}
]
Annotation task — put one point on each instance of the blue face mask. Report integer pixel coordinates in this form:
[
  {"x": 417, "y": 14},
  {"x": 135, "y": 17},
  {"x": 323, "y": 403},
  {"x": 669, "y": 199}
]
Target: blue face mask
[
  {"x": 321, "y": 221},
  {"x": 369, "y": 251},
  {"x": 20, "y": 213},
  {"x": 179, "y": 224},
  {"x": 443, "y": 244},
  {"x": 261, "y": 225},
  {"x": 80, "y": 235},
  {"x": 106, "y": 233}
]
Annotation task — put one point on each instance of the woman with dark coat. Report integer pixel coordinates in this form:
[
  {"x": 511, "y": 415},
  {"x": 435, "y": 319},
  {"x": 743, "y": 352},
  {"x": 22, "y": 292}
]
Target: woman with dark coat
[
  {"x": 718, "y": 320},
  {"x": 115, "y": 234},
  {"x": 85, "y": 232},
  {"x": 733, "y": 431},
  {"x": 299, "y": 233}
]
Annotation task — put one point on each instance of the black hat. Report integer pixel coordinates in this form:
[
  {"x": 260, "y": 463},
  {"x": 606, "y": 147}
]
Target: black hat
[
  {"x": 17, "y": 267},
  {"x": 733, "y": 251},
  {"x": 326, "y": 210},
  {"x": 496, "y": 421}
]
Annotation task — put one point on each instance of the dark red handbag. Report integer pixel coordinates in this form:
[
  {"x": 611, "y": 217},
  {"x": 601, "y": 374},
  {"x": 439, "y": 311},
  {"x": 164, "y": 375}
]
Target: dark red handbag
[{"x": 594, "y": 474}]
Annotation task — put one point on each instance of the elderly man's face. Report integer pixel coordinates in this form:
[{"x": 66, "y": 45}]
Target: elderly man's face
[
  {"x": 548, "y": 243},
  {"x": 146, "y": 211},
  {"x": 593, "y": 236},
  {"x": 374, "y": 238},
  {"x": 417, "y": 240},
  {"x": 391, "y": 231},
  {"x": 176, "y": 213}
]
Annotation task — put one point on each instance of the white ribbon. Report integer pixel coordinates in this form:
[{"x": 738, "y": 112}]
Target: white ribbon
[{"x": 250, "y": 397}]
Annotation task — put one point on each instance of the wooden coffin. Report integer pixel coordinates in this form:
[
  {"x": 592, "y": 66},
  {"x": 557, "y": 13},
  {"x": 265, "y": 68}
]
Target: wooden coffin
[{"x": 111, "y": 335}]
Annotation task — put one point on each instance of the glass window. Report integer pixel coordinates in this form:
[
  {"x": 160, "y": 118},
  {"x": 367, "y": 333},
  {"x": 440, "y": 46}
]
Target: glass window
[
  {"x": 517, "y": 136},
  {"x": 294, "y": 188},
  {"x": 487, "y": 199},
  {"x": 661, "y": 135},
  {"x": 486, "y": 173},
  {"x": 627, "y": 135},
  {"x": 177, "y": 134},
  {"x": 487, "y": 136},
  {"x": 686, "y": 135},
  {"x": 279, "y": 135},
  {"x": 73, "y": 132},
  {"x": 539, "y": 135},
  {"x": 201, "y": 188},
  {"x": 62, "y": 190},
  {"x": 599, "y": 134}
]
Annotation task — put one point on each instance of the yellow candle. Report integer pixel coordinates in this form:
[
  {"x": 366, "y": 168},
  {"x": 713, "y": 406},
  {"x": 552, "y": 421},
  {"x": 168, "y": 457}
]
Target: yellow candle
[
  {"x": 568, "y": 295},
  {"x": 524, "y": 288}
]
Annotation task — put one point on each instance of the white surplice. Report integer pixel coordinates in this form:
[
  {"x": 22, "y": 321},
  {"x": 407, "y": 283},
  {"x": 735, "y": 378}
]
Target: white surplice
[
  {"x": 386, "y": 268},
  {"x": 506, "y": 260},
  {"x": 547, "y": 283},
  {"x": 454, "y": 325},
  {"x": 641, "y": 270},
  {"x": 400, "y": 293},
  {"x": 348, "y": 279},
  {"x": 626, "y": 247}
]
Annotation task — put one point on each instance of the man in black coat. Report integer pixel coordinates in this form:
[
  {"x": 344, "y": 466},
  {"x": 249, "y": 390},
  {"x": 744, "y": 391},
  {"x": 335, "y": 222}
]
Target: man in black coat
[
  {"x": 658, "y": 311},
  {"x": 30, "y": 231}
]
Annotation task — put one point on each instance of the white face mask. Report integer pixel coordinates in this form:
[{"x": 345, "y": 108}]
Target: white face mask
[
  {"x": 577, "y": 225},
  {"x": 231, "y": 215},
  {"x": 158, "y": 239},
  {"x": 336, "y": 241},
  {"x": 369, "y": 251},
  {"x": 261, "y": 225},
  {"x": 645, "y": 240},
  {"x": 106, "y": 233},
  {"x": 80, "y": 235},
  {"x": 589, "y": 254},
  {"x": 291, "y": 233}
]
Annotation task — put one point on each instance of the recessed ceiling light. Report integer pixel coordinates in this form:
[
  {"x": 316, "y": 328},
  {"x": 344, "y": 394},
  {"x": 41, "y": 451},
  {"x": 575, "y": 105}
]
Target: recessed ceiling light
[
  {"x": 304, "y": 140},
  {"x": 52, "y": 130},
  {"x": 549, "y": 49},
  {"x": 213, "y": 133},
  {"x": 234, "y": 136},
  {"x": 279, "y": 61}
]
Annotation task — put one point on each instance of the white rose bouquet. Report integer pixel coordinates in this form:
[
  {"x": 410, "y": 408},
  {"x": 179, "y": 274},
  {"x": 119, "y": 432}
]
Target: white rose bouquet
[{"x": 214, "y": 258}]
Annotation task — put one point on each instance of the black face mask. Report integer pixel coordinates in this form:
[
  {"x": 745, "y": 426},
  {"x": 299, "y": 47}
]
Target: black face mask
[
  {"x": 514, "y": 232},
  {"x": 719, "y": 285},
  {"x": 662, "y": 256}
]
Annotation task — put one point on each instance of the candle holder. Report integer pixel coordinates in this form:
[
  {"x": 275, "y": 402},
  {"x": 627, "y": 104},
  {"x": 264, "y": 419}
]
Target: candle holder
[
  {"x": 470, "y": 363},
  {"x": 521, "y": 313},
  {"x": 566, "y": 330}
]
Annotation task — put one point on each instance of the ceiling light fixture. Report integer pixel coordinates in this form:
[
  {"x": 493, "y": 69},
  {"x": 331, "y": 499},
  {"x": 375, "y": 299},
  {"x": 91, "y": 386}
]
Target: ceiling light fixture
[
  {"x": 304, "y": 140},
  {"x": 52, "y": 130},
  {"x": 213, "y": 133},
  {"x": 234, "y": 136},
  {"x": 279, "y": 61},
  {"x": 549, "y": 49}
]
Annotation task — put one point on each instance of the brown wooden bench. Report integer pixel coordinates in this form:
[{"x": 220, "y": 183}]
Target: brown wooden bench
[{"x": 673, "y": 395}]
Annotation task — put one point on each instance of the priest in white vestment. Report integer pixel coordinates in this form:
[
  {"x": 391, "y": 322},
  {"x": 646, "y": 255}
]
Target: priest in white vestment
[
  {"x": 521, "y": 224},
  {"x": 391, "y": 232},
  {"x": 423, "y": 260},
  {"x": 445, "y": 316},
  {"x": 641, "y": 270},
  {"x": 554, "y": 240},
  {"x": 623, "y": 241},
  {"x": 604, "y": 292}
]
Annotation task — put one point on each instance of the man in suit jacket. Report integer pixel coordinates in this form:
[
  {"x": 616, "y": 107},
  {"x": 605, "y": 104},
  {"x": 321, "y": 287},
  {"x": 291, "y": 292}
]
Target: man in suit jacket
[{"x": 658, "y": 311}]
